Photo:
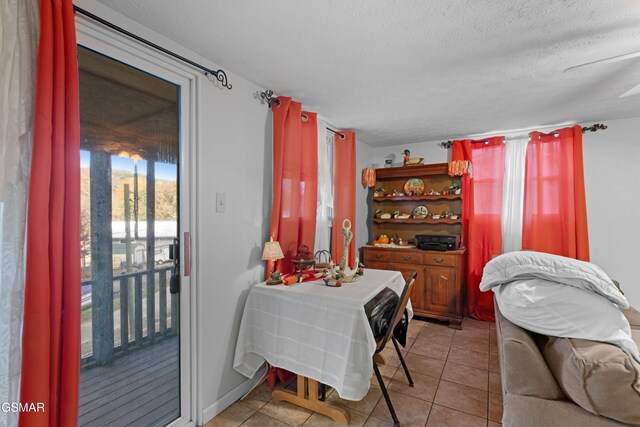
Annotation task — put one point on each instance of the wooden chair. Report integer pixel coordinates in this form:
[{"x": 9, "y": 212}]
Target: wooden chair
[{"x": 380, "y": 343}]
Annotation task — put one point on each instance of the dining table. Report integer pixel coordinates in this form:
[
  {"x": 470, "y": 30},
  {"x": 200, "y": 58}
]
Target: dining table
[{"x": 321, "y": 333}]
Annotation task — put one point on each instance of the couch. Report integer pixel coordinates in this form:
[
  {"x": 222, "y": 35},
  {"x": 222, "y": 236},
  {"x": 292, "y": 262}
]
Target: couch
[{"x": 531, "y": 394}]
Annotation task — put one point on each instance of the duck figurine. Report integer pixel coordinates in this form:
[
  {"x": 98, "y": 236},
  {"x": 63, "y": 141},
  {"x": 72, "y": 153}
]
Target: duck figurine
[{"x": 408, "y": 160}]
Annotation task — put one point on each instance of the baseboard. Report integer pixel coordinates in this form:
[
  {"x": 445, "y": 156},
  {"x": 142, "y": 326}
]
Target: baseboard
[{"x": 229, "y": 398}]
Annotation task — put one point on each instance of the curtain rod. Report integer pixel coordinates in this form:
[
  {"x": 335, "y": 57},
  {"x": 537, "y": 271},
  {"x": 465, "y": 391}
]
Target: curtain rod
[
  {"x": 335, "y": 132},
  {"x": 212, "y": 75},
  {"x": 269, "y": 98},
  {"x": 593, "y": 128}
]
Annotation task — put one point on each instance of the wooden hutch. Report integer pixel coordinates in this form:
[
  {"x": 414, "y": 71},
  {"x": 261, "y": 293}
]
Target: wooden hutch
[{"x": 438, "y": 292}]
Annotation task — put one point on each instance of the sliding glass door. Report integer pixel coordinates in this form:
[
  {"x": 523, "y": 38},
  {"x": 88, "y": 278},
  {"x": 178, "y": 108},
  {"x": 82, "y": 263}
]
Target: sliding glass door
[{"x": 130, "y": 358}]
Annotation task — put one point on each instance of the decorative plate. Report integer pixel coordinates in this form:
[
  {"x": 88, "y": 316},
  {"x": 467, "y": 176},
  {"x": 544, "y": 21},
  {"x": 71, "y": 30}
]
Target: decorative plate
[
  {"x": 414, "y": 187},
  {"x": 420, "y": 212}
]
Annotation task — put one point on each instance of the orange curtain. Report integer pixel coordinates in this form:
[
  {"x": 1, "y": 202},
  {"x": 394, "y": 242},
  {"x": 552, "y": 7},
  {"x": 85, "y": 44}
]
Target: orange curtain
[
  {"x": 51, "y": 332},
  {"x": 555, "y": 213},
  {"x": 309, "y": 179},
  {"x": 481, "y": 215},
  {"x": 295, "y": 178},
  {"x": 344, "y": 198},
  {"x": 295, "y": 191}
]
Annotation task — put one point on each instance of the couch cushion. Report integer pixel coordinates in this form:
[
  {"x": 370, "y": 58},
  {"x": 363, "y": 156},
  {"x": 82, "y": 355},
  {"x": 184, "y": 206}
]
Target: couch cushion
[
  {"x": 633, "y": 316},
  {"x": 599, "y": 377},
  {"x": 523, "y": 369},
  {"x": 526, "y": 411}
]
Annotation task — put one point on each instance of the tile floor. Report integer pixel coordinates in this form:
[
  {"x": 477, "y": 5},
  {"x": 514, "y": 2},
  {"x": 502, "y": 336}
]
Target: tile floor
[{"x": 456, "y": 376}]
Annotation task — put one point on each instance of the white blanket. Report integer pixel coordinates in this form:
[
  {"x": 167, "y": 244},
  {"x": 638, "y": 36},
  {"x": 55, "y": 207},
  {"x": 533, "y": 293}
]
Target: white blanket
[
  {"x": 529, "y": 264},
  {"x": 539, "y": 292},
  {"x": 558, "y": 310}
]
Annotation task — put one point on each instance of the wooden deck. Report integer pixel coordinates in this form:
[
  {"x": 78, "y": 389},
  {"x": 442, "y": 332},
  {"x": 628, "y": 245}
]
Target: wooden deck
[{"x": 140, "y": 389}]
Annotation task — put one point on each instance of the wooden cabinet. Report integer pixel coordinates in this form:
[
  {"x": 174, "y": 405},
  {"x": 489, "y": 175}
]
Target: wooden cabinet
[
  {"x": 438, "y": 292},
  {"x": 441, "y": 294},
  {"x": 439, "y": 289}
]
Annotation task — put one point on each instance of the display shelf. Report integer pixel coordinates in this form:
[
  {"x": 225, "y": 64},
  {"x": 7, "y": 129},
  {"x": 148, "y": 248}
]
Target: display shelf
[
  {"x": 410, "y": 198},
  {"x": 417, "y": 221}
]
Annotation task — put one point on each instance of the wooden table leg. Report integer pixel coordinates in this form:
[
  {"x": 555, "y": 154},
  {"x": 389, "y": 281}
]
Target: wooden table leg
[{"x": 307, "y": 397}]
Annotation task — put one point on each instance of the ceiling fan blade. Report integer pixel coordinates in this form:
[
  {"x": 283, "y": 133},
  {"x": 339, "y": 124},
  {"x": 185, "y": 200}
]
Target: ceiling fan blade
[
  {"x": 633, "y": 91},
  {"x": 607, "y": 60}
]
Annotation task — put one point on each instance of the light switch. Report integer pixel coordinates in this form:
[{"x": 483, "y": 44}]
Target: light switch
[{"x": 221, "y": 202}]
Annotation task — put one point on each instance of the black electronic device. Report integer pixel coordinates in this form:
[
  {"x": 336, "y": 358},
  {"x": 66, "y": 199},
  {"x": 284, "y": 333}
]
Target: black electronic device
[{"x": 438, "y": 242}]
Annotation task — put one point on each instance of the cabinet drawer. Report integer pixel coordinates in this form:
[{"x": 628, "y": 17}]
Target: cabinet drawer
[
  {"x": 373, "y": 255},
  {"x": 379, "y": 265},
  {"x": 410, "y": 257},
  {"x": 444, "y": 260}
]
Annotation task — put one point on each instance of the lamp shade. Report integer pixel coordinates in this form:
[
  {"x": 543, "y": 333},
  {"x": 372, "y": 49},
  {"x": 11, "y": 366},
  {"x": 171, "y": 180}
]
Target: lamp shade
[{"x": 272, "y": 251}]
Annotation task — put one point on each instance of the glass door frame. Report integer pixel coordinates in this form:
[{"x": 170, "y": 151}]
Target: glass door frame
[{"x": 115, "y": 45}]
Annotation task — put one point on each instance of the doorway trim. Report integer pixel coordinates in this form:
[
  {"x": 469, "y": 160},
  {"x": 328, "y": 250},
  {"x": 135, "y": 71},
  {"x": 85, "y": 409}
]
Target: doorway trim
[{"x": 115, "y": 45}]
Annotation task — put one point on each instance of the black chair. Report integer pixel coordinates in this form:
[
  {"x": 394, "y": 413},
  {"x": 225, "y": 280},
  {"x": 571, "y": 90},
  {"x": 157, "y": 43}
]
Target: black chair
[{"x": 380, "y": 343}]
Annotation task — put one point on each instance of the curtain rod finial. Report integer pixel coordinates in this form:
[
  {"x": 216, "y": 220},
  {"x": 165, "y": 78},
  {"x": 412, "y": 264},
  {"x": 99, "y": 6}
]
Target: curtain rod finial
[
  {"x": 446, "y": 144},
  {"x": 593, "y": 128},
  {"x": 267, "y": 96}
]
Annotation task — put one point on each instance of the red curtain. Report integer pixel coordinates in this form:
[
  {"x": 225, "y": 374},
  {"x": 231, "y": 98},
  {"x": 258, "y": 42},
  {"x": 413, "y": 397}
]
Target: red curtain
[
  {"x": 51, "y": 332},
  {"x": 481, "y": 215},
  {"x": 555, "y": 213},
  {"x": 295, "y": 191},
  {"x": 295, "y": 179},
  {"x": 309, "y": 179},
  {"x": 344, "y": 197}
]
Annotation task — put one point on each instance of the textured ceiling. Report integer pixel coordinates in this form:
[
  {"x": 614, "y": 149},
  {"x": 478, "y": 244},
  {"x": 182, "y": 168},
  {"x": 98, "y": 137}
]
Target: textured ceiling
[{"x": 408, "y": 71}]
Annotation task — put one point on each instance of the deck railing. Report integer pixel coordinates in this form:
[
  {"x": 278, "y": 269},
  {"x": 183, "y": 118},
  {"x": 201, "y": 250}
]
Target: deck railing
[{"x": 135, "y": 319}]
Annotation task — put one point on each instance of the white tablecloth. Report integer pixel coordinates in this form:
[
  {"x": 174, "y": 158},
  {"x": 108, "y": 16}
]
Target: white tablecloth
[{"x": 314, "y": 330}]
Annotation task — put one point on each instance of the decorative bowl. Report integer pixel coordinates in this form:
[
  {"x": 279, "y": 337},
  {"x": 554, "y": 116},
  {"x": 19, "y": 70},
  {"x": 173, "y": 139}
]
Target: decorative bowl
[
  {"x": 420, "y": 212},
  {"x": 414, "y": 187}
]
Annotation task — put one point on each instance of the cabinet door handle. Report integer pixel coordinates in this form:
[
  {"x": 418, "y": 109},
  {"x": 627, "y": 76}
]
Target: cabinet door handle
[
  {"x": 438, "y": 259},
  {"x": 378, "y": 256},
  {"x": 426, "y": 290},
  {"x": 407, "y": 257}
]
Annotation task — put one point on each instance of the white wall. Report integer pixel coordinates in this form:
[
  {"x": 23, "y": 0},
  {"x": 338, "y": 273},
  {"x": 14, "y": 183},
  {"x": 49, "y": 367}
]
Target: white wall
[
  {"x": 234, "y": 157},
  {"x": 611, "y": 167},
  {"x": 430, "y": 151},
  {"x": 233, "y": 146},
  {"x": 364, "y": 159}
]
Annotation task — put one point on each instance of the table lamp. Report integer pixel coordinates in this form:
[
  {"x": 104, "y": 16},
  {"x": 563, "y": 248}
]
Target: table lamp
[{"x": 272, "y": 252}]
